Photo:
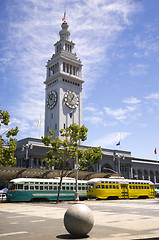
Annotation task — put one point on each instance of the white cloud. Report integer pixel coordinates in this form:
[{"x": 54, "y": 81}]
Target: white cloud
[
  {"x": 131, "y": 100},
  {"x": 139, "y": 69},
  {"x": 152, "y": 96},
  {"x": 109, "y": 139},
  {"x": 129, "y": 113}
]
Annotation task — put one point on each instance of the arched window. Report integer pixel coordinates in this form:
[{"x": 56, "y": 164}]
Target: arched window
[
  {"x": 157, "y": 176},
  {"x": 139, "y": 174},
  {"x": 151, "y": 176},
  {"x": 146, "y": 176},
  {"x": 64, "y": 67}
]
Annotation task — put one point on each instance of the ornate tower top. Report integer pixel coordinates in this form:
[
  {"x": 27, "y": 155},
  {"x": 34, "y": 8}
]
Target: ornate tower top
[{"x": 64, "y": 33}]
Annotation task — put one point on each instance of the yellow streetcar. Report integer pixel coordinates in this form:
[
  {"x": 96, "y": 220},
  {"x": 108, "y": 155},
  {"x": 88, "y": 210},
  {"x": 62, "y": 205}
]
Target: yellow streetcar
[{"x": 112, "y": 188}]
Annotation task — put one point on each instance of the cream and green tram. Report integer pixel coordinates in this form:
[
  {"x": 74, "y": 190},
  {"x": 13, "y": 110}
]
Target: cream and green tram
[
  {"x": 27, "y": 189},
  {"x": 109, "y": 188}
]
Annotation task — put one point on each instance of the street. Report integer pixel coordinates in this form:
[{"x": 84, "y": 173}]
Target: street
[{"x": 114, "y": 220}]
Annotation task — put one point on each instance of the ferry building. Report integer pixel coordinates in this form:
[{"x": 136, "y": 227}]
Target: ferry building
[{"x": 63, "y": 106}]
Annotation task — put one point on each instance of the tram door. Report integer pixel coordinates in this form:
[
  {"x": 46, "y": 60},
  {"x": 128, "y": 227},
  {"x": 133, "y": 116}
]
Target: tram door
[
  {"x": 152, "y": 191},
  {"x": 124, "y": 190}
]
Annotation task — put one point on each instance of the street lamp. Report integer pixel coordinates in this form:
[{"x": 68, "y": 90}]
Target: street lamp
[
  {"x": 119, "y": 156},
  {"x": 76, "y": 185},
  {"x": 26, "y": 148}
]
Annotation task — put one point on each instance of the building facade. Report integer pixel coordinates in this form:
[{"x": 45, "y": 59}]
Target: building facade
[{"x": 31, "y": 152}]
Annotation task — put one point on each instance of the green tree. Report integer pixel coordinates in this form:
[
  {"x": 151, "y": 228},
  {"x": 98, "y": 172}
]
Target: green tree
[
  {"x": 65, "y": 152},
  {"x": 7, "y": 146}
]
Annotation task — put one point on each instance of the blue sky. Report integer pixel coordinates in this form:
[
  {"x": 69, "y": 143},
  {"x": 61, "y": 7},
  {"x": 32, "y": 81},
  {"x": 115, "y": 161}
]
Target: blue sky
[{"x": 118, "y": 43}]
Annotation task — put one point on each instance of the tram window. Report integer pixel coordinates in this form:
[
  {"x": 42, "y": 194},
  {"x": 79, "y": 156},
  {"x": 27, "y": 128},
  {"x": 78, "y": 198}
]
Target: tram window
[
  {"x": 136, "y": 187},
  {"x": 41, "y": 187},
  {"x": 50, "y": 182},
  {"x": 36, "y": 187},
  {"x": 83, "y": 188},
  {"x": 117, "y": 187},
  {"x": 26, "y": 187},
  {"x": 133, "y": 187},
  {"x": 142, "y": 187},
  {"x": 36, "y": 183},
  {"x": 103, "y": 186},
  {"x": 31, "y": 187},
  {"x": 114, "y": 186},
  {"x": 71, "y": 188},
  {"x": 46, "y": 187},
  {"x": 98, "y": 186},
  {"x": 20, "y": 186},
  {"x": 147, "y": 187},
  {"x": 41, "y": 182},
  {"x": 50, "y": 187},
  {"x": 106, "y": 186},
  {"x": 110, "y": 186},
  {"x": 67, "y": 188},
  {"x": 55, "y": 187},
  {"x": 79, "y": 188},
  {"x": 130, "y": 187},
  {"x": 63, "y": 187},
  {"x": 139, "y": 187}
]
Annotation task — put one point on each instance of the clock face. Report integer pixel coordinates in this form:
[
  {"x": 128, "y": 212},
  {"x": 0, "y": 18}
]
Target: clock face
[
  {"x": 71, "y": 99},
  {"x": 51, "y": 99}
]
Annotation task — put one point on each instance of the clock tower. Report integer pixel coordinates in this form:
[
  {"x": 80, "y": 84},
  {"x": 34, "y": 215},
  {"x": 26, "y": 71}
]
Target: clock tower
[{"x": 63, "y": 93}]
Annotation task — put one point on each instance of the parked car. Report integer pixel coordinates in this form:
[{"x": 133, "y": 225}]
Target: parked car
[{"x": 3, "y": 195}]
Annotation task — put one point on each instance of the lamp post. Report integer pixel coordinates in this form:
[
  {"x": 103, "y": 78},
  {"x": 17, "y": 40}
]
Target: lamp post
[
  {"x": 26, "y": 148},
  {"x": 119, "y": 156},
  {"x": 76, "y": 185}
]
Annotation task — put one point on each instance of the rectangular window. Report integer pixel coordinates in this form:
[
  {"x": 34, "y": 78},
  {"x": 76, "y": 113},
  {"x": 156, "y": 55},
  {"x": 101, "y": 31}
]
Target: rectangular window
[
  {"x": 110, "y": 186},
  {"x": 41, "y": 187},
  {"x": 31, "y": 187},
  {"x": 113, "y": 186},
  {"x": 36, "y": 187},
  {"x": 26, "y": 187},
  {"x": 20, "y": 186},
  {"x": 103, "y": 186}
]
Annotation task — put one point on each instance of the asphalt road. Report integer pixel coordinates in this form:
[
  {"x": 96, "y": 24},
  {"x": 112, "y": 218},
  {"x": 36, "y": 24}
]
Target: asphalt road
[{"x": 114, "y": 220}]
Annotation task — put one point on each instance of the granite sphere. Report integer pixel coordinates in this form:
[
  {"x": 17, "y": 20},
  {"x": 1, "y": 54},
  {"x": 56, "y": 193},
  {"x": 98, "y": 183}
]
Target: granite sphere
[{"x": 78, "y": 220}]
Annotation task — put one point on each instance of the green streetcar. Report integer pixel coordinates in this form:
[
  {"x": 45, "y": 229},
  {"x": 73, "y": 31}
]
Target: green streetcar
[{"x": 28, "y": 189}]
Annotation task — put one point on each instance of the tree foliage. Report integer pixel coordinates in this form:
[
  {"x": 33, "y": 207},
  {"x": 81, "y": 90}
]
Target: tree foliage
[
  {"x": 7, "y": 146},
  {"x": 65, "y": 150}
]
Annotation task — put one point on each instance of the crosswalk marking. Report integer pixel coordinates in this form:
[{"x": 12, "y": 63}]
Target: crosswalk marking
[{"x": 12, "y": 233}]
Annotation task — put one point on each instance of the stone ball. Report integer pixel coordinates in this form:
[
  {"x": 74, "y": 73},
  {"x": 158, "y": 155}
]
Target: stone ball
[{"x": 78, "y": 220}]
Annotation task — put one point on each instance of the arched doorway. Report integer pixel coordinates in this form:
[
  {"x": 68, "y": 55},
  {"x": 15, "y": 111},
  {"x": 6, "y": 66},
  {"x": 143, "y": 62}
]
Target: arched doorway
[
  {"x": 146, "y": 176},
  {"x": 107, "y": 168},
  {"x": 151, "y": 176},
  {"x": 157, "y": 177},
  {"x": 139, "y": 173}
]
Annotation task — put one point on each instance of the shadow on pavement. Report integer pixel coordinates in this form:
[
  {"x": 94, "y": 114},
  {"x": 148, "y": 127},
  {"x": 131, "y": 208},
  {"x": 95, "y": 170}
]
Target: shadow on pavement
[{"x": 69, "y": 236}]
